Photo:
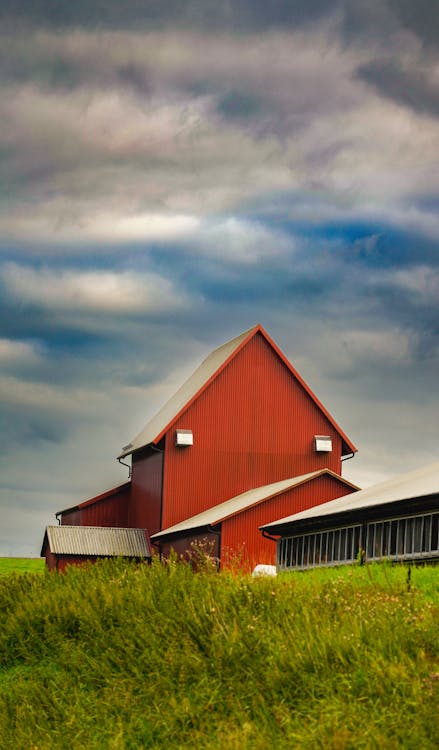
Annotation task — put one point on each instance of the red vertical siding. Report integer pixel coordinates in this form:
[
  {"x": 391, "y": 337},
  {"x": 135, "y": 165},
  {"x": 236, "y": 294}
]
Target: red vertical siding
[
  {"x": 253, "y": 425},
  {"x": 108, "y": 509},
  {"x": 50, "y": 559},
  {"x": 111, "y": 511},
  {"x": 146, "y": 490},
  {"x": 71, "y": 518},
  {"x": 240, "y": 536}
]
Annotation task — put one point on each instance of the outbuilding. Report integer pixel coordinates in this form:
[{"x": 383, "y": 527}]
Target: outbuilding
[
  {"x": 75, "y": 545},
  {"x": 396, "y": 520}
]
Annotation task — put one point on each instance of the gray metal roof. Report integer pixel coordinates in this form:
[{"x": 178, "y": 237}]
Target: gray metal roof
[
  {"x": 96, "y": 541},
  {"x": 418, "y": 483},
  {"x": 241, "y": 502},
  {"x": 188, "y": 390}
]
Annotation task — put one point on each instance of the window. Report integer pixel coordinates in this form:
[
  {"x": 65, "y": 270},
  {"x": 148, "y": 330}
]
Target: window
[
  {"x": 322, "y": 548},
  {"x": 408, "y": 538}
]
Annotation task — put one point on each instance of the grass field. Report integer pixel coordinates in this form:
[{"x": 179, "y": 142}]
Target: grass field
[
  {"x": 21, "y": 565},
  {"x": 124, "y": 658}
]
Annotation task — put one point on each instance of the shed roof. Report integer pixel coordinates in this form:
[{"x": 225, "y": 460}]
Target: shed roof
[
  {"x": 200, "y": 379},
  {"x": 97, "y": 541},
  {"x": 241, "y": 502},
  {"x": 414, "y": 484}
]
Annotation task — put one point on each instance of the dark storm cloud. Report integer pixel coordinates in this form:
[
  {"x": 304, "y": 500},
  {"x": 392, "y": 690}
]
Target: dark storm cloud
[
  {"x": 414, "y": 87},
  {"x": 419, "y": 16},
  {"x": 357, "y": 18},
  {"x": 216, "y": 14}
]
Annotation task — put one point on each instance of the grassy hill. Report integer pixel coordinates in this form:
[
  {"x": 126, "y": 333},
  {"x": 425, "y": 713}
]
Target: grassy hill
[{"x": 123, "y": 657}]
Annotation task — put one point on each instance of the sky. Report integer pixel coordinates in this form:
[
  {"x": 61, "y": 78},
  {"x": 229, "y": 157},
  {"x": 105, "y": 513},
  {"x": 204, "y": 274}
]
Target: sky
[{"x": 173, "y": 173}]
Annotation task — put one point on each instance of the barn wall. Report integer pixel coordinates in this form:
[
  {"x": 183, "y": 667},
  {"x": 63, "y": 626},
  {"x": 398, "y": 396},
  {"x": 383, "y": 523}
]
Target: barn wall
[
  {"x": 64, "y": 560},
  {"x": 108, "y": 509},
  {"x": 241, "y": 540},
  {"x": 146, "y": 490},
  {"x": 71, "y": 518},
  {"x": 50, "y": 559},
  {"x": 253, "y": 425},
  {"x": 111, "y": 511},
  {"x": 182, "y": 546}
]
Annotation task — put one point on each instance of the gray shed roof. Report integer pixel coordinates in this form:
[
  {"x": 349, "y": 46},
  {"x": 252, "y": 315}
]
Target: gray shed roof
[
  {"x": 414, "y": 484},
  {"x": 96, "y": 541},
  {"x": 241, "y": 502},
  {"x": 185, "y": 393}
]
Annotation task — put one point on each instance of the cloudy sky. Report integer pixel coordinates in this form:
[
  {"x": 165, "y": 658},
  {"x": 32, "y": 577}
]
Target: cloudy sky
[{"x": 175, "y": 172}]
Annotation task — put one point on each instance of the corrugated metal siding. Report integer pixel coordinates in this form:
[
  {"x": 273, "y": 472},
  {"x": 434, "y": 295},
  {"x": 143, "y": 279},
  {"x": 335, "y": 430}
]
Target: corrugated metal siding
[
  {"x": 146, "y": 490},
  {"x": 240, "y": 535},
  {"x": 90, "y": 540},
  {"x": 253, "y": 425},
  {"x": 111, "y": 511},
  {"x": 107, "y": 509}
]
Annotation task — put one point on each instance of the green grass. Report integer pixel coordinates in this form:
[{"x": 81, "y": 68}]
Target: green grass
[
  {"x": 21, "y": 565},
  {"x": 123, "y": 658}
]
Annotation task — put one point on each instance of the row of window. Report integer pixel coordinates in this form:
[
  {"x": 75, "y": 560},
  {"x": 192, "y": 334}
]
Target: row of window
[{"x": 406, "y": 538}]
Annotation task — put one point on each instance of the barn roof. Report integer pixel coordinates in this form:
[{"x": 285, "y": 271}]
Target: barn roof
[
  {"x": 96, "y": 541},
  {"x": 414, "y": 484},
  {"x": 239, "y": 503},
  {"x": 202, "y": 377}
]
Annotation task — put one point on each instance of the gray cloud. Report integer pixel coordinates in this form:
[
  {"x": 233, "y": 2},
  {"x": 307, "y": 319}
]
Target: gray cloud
[
  {"x": 213, "y": 14},
  {"x": 416, "y": 87}
]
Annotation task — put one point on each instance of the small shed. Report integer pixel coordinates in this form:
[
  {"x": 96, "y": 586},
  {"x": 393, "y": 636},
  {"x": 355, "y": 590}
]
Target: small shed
[
  {"x": 74, "y": 545},
  {"x": 395, "y": 520}
]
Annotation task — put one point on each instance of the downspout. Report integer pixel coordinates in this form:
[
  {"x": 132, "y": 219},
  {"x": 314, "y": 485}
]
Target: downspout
[
  {"x": 128, "y": 467},
  {"x": 347, "y": 458}
]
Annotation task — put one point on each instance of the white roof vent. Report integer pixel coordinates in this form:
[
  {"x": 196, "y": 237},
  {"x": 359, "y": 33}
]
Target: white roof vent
[
  {"x": 184, "y": 437},
  {"x": 322, "y": 444}
]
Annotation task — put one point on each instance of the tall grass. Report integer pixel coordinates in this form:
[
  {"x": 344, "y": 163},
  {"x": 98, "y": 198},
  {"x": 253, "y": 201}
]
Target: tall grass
[{"x": 124, "y": 657}]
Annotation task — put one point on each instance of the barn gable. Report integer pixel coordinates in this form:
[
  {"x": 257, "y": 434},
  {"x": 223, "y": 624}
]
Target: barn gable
[
  {"x": 202, "y": 377},
  {"x": 254, "y": 424}
]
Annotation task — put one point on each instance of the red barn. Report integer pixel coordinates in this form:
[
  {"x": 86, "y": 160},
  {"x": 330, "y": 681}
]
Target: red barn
[{"x": 243, "y": 422}]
